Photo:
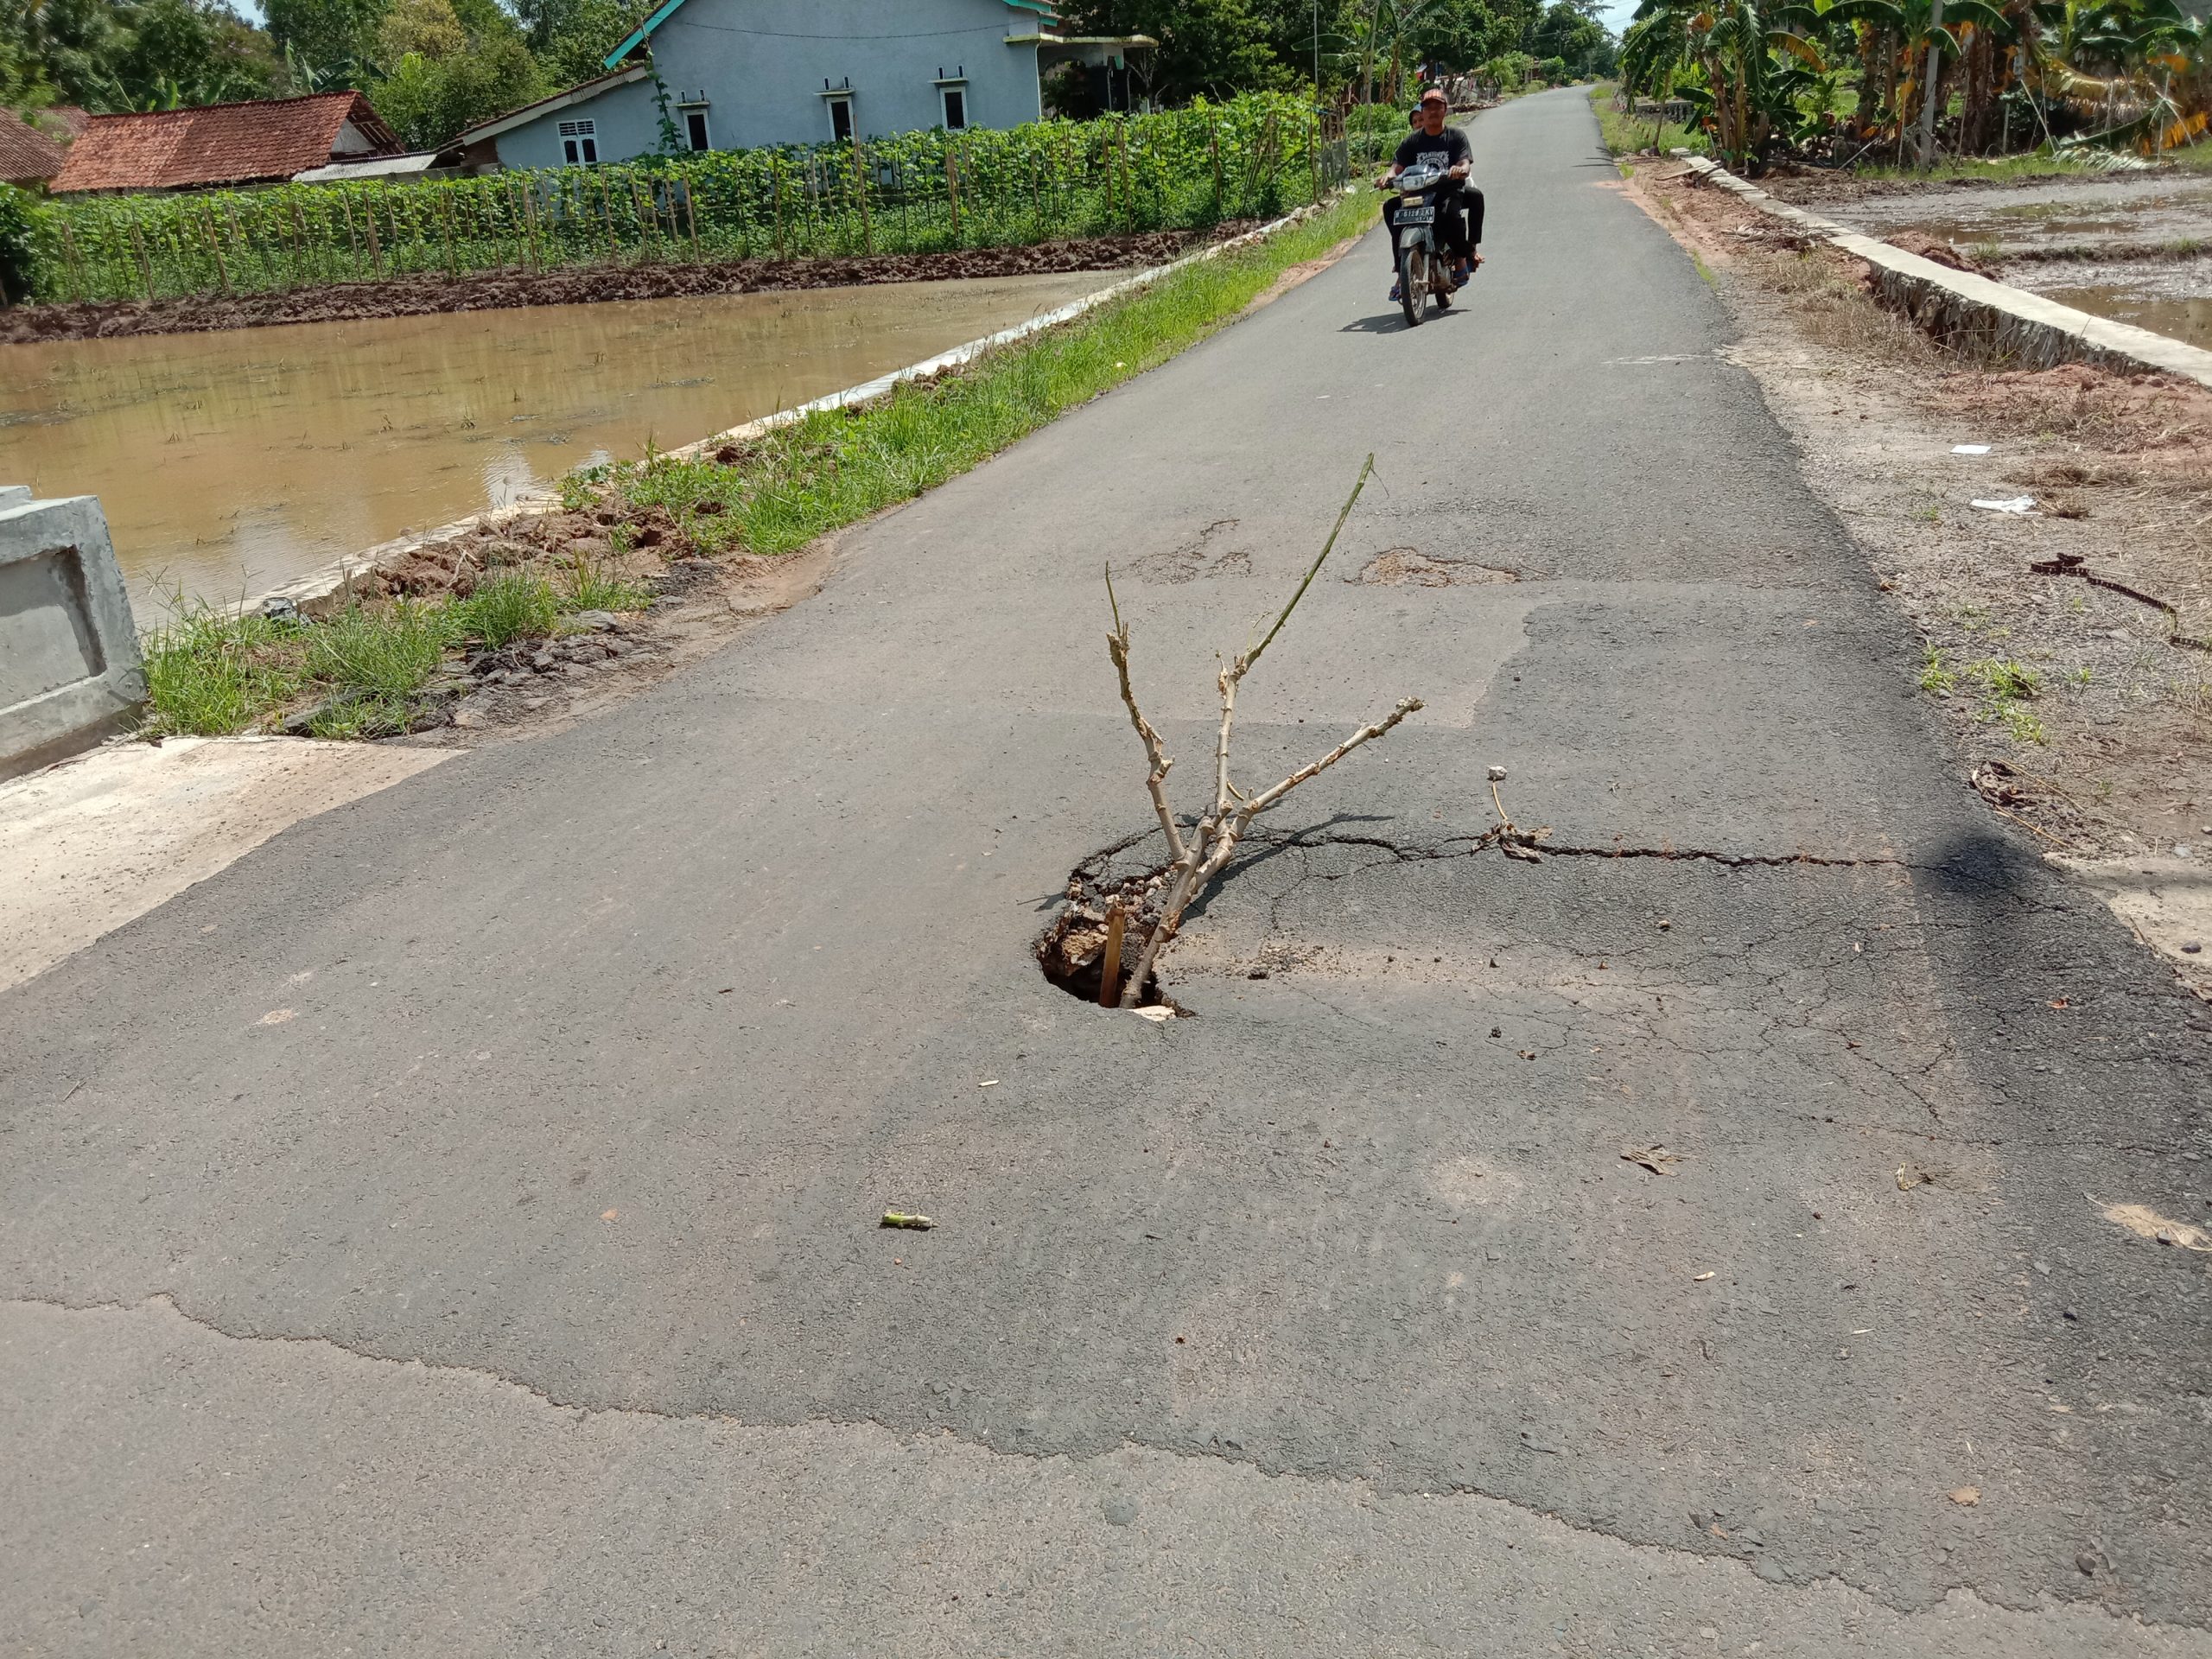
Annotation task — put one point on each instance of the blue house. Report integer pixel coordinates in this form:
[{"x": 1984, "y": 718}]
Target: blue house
[{"x": 742, "y": 73}]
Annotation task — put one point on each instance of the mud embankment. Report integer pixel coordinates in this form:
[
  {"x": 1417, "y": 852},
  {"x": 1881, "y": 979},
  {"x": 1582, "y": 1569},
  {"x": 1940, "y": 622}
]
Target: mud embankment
[{"x": 582, "y": 285}]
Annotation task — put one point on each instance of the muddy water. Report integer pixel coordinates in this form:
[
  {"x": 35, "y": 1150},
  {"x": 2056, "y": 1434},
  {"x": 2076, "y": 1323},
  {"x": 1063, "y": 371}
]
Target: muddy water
[
  {"x": 2119, "y": 221},
  {"x": 229, "y": 463}
]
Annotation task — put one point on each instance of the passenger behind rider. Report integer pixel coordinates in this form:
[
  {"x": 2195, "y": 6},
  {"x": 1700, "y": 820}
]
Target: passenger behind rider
[{"x": 1432, "y": 140}]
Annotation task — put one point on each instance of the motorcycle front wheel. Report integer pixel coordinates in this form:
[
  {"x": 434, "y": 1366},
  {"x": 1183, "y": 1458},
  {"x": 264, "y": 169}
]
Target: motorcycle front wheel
[{"x": 1412, "y": 284}]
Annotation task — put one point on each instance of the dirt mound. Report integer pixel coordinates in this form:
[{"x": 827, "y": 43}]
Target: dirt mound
[
  {"x": 2144, "y": 412},
  {"x": 583, "y": 285},
  {"x": 1940, "y": 252}
]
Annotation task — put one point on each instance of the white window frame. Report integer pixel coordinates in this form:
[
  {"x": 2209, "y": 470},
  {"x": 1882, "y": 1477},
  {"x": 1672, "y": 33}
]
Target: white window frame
[
  {"x": 834, "y": 102},
  {"x": 945, "y": 96},
  {"x": 703, "y": 137},
  {"x": 579, "y": 143}
]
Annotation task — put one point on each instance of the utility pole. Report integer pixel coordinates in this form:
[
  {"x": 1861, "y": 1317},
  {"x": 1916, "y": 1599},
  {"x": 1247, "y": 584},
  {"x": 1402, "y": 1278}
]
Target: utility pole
[{"x": 1935, "y": 77}]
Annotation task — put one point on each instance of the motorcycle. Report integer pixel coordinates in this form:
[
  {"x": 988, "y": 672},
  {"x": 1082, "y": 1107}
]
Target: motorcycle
[{"x": 1424, "y": 263}]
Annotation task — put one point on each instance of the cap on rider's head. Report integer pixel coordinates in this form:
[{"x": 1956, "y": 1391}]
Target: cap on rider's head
[{"x": 1435, "y": 95}]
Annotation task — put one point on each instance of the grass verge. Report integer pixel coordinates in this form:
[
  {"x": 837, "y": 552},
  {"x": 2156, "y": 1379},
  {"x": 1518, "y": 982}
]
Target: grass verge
[
  {"x": 1637, "y": 135},
  {"x": 365, "y": 672},
  {"x": 836, "y": 467},
  {"x": 360, "y": 673}
]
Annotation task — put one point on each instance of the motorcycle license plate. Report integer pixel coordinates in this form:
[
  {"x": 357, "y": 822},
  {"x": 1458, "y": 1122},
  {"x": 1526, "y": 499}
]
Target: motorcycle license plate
[{"x": 1414, "y": 216}]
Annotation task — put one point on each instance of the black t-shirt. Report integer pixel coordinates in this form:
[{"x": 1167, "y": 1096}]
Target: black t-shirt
[{"x": 1447, "y": 148}]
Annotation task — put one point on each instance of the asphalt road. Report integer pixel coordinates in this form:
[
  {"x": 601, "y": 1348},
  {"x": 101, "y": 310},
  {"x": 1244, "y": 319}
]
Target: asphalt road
[{"x": 450, "y": 1230}]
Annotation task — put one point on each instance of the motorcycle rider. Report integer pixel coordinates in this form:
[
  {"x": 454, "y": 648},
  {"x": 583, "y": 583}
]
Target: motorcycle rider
[{"x": 1434, "y": 140}]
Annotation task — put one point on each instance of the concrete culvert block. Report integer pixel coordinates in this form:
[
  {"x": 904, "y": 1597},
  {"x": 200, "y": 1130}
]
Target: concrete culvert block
[{"x": 70, "y": 673}]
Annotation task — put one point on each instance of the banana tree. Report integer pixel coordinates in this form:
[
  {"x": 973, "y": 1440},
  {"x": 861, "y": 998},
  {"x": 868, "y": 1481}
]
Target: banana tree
[{"x": 1760, "y": 65}]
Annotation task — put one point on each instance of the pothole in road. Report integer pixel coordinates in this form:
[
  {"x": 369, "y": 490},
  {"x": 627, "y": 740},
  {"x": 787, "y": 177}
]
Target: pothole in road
[
  {"x": 1408, "y": 567},
  {"x": 1072, "y": 951}
]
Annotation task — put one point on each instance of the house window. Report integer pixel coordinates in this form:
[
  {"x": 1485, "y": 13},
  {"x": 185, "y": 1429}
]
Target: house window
[
  {"x": 580, "y": 144},
  {"x": 695, "y": 129},
  {"x": 840, "y": 119},
  {"x": 956, "y": 108}
]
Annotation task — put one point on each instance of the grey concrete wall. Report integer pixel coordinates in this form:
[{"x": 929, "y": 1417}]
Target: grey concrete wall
[
  {"x": 69, "y": 666},
  {"x": 628, "y": 124},
  {"x": 759, "y": 65}
]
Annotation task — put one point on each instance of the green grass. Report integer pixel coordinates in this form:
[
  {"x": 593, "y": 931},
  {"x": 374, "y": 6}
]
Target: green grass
[
  {"x": 1935, "y": 678},
  {"x": 2003, "y": 688},
  {"x": 516, "y": 604},
  {"x": 213, "y": 673},
  {"x": 210, "y": 672},
  {"x": 1627, "y": 135},
  {"x": 836, "y": 468},
  {"x": 591, "y": 588},
  {"x": 2011, "y": 168}
]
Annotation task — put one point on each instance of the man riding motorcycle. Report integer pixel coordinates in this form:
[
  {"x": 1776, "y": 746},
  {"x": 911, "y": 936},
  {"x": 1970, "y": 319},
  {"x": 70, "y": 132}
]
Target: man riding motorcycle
[{"x": 1432, "y": 140}]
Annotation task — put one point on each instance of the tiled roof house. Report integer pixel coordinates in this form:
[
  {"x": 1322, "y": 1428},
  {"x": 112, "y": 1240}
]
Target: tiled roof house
[
  {"x": 31, "y": 150},
  {"x": 220, "y": 144}
]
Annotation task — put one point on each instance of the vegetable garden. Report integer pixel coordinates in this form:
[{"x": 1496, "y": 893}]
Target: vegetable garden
[{"x": 916, "y": 193}]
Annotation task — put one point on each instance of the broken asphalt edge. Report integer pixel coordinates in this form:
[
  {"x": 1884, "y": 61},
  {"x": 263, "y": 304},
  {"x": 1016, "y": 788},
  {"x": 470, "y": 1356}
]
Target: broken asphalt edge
[
  {"x": 2037, "y": 331},
  {"x": 325, "y": 589}
]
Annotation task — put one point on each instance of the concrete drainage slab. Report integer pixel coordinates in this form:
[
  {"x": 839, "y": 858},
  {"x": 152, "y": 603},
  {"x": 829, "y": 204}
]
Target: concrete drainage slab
[
  {"x": 69, "y": 666},
  {"x": 99, "y": 841}
]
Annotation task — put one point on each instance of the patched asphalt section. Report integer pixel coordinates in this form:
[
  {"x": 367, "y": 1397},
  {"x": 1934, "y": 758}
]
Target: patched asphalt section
[{"x": 599, "y": 1057}]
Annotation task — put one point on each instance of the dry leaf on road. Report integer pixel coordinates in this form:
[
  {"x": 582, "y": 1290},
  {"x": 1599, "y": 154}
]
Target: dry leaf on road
[{"x": 1655, "y": 1158}]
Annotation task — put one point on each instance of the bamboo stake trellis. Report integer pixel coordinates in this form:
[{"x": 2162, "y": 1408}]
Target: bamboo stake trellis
[{"x": 913, "y": 193}]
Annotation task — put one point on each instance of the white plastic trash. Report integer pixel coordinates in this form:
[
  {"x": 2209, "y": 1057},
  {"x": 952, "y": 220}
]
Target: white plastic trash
[
  {"x": 1969, "y": 449},
  {"x": 2018, "y": 504}
]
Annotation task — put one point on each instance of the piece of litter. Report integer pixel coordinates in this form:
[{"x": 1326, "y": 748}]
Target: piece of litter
[
  {"x": 988, "y": 1083},
  {"x": 1158, "y": 1016},
  {"x": 1701, "y": 1278},
  {"x": 610, "y": 1215},
  {"x": 1966, "y": 1496},
  {"x": 919, "y": 1224},
  {"x": 2018, "y": 504},
  {"x": 1498, "y": 774},
  {"x": 1969, "y": 449},
  {"x": 1657, "y": 1160}
]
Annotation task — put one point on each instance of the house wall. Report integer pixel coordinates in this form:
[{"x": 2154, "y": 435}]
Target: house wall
[
  {"x": 760, "y": 65},
  {"x": 628, "y": 124}
]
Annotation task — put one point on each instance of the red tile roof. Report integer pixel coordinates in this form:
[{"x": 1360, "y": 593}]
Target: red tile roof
[
  {"x": 219, "y": 143},
  {"x": 30, "y": 151}
]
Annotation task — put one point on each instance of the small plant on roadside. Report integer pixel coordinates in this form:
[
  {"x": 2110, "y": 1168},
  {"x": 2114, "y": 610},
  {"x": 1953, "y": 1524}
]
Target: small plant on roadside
[
  {"x": 1935, "y": 678},
  {"x": 2004, "y": 680},
  {"x": 593, "y": 588},
  {"x": 381, "y": 654},
  {"x": 375, "y": 660},
  {"x": 210, "y": 673},
  {"x": 2007, "y": 686},
  {"x": 516, "y": 604}
]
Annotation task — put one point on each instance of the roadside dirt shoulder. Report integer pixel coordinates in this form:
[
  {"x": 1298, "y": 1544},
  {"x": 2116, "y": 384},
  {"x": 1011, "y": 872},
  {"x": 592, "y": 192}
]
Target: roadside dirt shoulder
[{"x": 2068, "y": 640}]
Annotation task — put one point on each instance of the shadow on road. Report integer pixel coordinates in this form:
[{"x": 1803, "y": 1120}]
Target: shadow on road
[{"x": 1392, "y": 322}]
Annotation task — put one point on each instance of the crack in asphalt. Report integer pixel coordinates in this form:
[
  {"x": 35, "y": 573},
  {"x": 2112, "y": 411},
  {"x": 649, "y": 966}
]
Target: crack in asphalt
[
  {"x": 1468, "y": 845},
  {"x": 166, "y": 1302}
]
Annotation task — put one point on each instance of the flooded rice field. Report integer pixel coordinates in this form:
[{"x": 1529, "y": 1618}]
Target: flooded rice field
[
  {"x": 230, "y": 463},
  {"x": 2134, "y": 248}
]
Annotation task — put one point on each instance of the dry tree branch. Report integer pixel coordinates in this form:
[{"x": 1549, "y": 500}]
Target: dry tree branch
[
  {"x": 1195, "y": 861},
  {"x": 1118, "y": 647}
]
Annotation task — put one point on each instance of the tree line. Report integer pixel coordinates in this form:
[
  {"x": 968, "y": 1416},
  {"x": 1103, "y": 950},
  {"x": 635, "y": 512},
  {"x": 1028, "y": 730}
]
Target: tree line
[
  {"x": 1841, "y": 80},
  {"x": 434, "y": 68}
]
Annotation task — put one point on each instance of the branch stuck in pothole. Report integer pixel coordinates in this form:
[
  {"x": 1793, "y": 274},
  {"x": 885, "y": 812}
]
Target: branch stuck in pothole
[{"x": 1155, "y": 912}]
